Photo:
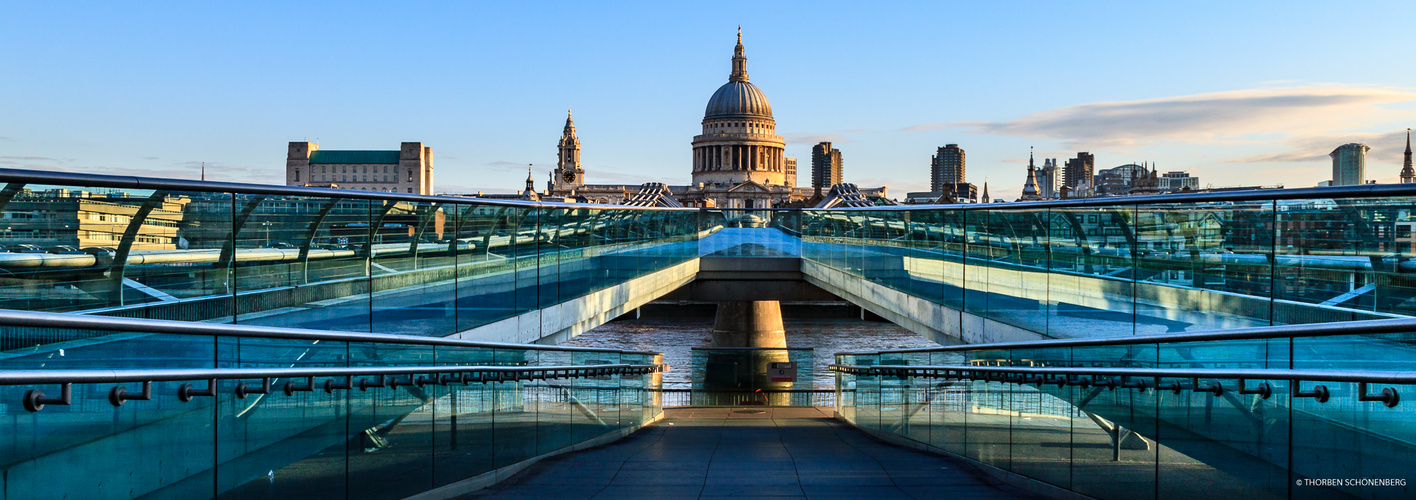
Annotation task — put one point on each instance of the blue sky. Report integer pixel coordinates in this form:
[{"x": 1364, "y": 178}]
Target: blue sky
[{"x": 1256, "y": 93}]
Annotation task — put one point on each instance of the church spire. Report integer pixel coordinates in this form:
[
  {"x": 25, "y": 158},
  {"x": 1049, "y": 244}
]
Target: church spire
[
  {"x": 1030, "y": 190},
  {"x": 739, "y": 61},
  {"x": 569, "y": 125},
  {"x": 1407, "y": 173}
]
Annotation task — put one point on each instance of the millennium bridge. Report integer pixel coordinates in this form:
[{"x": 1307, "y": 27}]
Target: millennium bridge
[{"x": 164, "y": 338}]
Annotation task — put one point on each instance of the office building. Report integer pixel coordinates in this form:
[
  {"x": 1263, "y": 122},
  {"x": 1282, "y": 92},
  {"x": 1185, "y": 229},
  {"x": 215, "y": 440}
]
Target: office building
[
  {"x": 946, "y": 167},
  {"x": 408, "y": 169},
  {"x": 826, "y": 167},
  {"x": 1178, "y": 181},
  {"x": 1078, "y": 171},
  {"x": 1349, "y": 164},
  {"x": 1049, "y": 179}
]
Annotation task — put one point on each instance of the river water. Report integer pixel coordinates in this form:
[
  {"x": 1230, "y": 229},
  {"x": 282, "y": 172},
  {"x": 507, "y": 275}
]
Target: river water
[{"x": 677, "y": 337}]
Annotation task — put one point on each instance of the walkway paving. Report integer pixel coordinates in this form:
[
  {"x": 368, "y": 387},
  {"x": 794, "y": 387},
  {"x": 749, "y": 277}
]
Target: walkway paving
[{"x": 778, "y": 453}]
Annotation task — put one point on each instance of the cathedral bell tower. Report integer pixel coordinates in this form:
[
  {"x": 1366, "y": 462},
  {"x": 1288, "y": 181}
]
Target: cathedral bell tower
[{"x": 569, "y": 175}]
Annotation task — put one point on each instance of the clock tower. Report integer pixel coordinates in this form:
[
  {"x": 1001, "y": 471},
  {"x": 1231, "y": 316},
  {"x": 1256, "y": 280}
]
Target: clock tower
[{"x": 569, "y": 175}]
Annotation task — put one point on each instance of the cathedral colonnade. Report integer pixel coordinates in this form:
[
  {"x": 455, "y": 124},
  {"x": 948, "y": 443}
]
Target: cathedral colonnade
[{"x": 738, "y": 157}]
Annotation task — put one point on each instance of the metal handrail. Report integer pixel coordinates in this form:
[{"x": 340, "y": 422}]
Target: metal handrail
[
  {"x": 161, "y": 183},
  {"x": 1136, "y": 378},
  {"x": 138, "y": 182},
  {"x": 32, "y": 319},
  {"x": 1333, "y": 192},
  {"x": 1362, "y": 327},
  {"x": 35, "y": 400}
]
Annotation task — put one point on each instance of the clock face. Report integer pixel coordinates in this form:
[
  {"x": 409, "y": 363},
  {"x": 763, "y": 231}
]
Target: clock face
[{"x": 569, "y": 176}]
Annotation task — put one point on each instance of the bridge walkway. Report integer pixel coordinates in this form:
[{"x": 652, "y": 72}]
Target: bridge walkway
[{"x": 781, "y": 453}]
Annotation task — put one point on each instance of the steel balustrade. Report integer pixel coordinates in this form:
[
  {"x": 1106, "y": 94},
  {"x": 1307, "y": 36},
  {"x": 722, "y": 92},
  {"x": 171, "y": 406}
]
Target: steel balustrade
[
  {"x": 417, "y": 376},
  {"x": 1161, "y": 378}
]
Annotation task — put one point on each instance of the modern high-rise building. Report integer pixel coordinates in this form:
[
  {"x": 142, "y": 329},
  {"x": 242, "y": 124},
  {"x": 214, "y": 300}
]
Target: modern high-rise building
[
  {"x": 1349, "y": 164},
  {"x": 946, "y": 168},
  {"x": 407, "y": 170},
  {"x": 791, "y": 172},
  {"x": 826, "y": 167},
  {"x": 1049, "y": 179},
  {"x": 1407, "y": 173},
  {"x": 1079, "y": 170}
]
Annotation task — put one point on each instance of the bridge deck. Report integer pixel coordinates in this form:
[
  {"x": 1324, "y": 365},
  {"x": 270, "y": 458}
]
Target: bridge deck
[{"x": 779, "y": 453}]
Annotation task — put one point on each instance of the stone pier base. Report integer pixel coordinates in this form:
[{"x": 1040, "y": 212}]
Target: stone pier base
[{"x": 755, "y": 323}]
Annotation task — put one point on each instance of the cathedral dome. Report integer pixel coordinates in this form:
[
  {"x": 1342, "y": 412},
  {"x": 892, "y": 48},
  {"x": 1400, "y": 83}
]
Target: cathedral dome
[{"x": 738, "y": 100}]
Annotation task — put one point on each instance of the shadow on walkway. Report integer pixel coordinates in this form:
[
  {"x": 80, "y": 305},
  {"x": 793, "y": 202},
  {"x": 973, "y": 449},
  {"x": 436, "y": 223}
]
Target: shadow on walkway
[{"x": 780, "y": 453}]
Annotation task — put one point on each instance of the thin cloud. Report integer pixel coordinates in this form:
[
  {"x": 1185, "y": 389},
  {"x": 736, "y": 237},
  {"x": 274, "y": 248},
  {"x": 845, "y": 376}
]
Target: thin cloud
[
  {"x": 1386, "y": 147},
  {"x": 812, "y": 138},
  {"x": 930, "y": 127},
  {"x": 510, "y": 166},
  {"x": 1205, "y": 118}
]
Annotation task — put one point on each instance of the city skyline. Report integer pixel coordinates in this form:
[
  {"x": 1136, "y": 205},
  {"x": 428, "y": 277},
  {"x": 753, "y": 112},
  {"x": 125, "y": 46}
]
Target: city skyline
[{"x": 148, "y": 90}]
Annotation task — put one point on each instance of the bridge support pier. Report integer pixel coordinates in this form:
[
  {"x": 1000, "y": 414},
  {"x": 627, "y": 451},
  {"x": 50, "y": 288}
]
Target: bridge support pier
[{"x": 749, "y": 323}]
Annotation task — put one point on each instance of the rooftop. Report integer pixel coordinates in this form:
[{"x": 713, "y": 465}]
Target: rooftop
[{"x": 360, "y": 157}]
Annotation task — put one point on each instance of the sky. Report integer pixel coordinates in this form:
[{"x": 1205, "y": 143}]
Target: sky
[{"x": 1236, "y": 93}]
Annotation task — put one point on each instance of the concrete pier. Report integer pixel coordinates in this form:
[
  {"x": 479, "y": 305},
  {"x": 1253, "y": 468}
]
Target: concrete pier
[{"x": 755, "y": 323}]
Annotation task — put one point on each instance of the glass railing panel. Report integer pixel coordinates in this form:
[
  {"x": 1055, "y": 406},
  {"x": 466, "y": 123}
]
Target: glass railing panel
[
  {"x": 978, "y": 253},
  {"x": 526, "y": 245},
  {"x": 463, "y": 420},
  {"x": 551, "y": 227},
  {"x": 631, "y": 394},
  {"x": 172, "y": 269},
  {"x": 1113, "y": 448},
  {"x": 1235, "y": 444},
  {"x": 1344, "y": 436},
  {"x": 916, "y": 420},
  {"x": 1203, "y": 266},
  {"x": 73, "y": 442},
  {"x": 867, "y": 393},
  {"x": 750, "y": 233},
  {"x": 942, "y": 233},
  {"x": 413, "y": 272},
  {"x": 1091, "y": 267},
  {"x": 554, "y": 410},
  {"x": 1351, "y": 448},
  {"x": 262, "y": 437},
  {"x": 273, "y": 288},
  {"x": 1041, "y": 427},
  {"x": 1018, "y": 279},
  {"x": 594, "y": 398},
  {"x": 950, "y": 406},
  {"x": 846, "y": 389},
  {"x": 59, "y": 248},
  {"x": 988, "y": 405},
  {"x": 176, "y": 435},
  {"x": 896, "y": 396},
  {"x": 486, "y": 290},
  {"x": 1343, "y": 259},
  {"x": 1113, "y": 431},
  {"x": 514, "y": 416},
  {"x": 390, "y": 429}
]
